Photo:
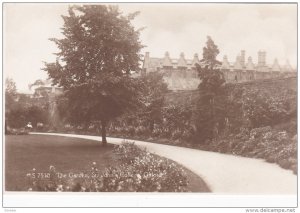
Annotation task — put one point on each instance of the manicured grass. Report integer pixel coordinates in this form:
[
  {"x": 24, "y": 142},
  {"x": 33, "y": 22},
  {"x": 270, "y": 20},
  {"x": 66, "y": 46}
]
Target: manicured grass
[
  {"x": 23, "y": 153},
  {"x": 68, "y": 155}
]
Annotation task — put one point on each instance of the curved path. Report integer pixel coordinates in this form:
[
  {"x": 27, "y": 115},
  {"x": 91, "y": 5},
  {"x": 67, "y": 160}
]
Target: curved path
[{"x": 222, "y": 173}]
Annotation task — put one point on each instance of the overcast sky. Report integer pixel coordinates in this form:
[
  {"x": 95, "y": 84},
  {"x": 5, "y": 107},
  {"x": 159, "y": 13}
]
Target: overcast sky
[{"x": 169, "y": 27}]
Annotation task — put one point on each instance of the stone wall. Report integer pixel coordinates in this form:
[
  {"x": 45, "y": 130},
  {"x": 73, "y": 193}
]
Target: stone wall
[{"x": 189, "y": 97}]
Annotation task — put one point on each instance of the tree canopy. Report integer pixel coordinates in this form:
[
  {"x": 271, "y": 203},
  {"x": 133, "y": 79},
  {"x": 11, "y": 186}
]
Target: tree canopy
[
  {"x": 99, "y": 50},
  {"x": 210, "y": 52}
]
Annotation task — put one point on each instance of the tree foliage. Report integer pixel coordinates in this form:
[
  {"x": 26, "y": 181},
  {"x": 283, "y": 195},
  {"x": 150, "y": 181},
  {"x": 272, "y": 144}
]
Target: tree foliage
[
  {"x": 10, "y": 93},
  {"x": 154, "y": 90},
  {"x": 209, "y": 117},
  {"x": 210, "y": 52},
  {"x": 21, "y": 109},
  {"x": 99, "y": 50},
  {"x": 261, "y": 108}
]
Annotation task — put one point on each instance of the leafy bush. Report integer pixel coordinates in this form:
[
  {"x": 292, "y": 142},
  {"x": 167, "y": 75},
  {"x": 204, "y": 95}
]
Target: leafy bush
[
  {"x": 263, "y": 108},
  {"x": 20, "y": 131},
  {"x": 272, "y": 145},
  {"x": 140, "y": 171}
]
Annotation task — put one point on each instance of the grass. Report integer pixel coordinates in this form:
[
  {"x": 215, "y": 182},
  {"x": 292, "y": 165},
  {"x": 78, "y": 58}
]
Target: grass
[
  {"x": 23, "y": 153},
  {"x": 68, "y": 155}
]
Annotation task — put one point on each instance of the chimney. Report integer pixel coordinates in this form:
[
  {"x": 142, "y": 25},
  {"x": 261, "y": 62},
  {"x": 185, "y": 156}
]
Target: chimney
[
  {"x": 264, "y": 57},
  {"x": 146, "y": 61},
  {"x": 195, "y": 60},
  {"x": 147, "y": 55},
  {"x": 261, "y": 58},
  {"x": 242, "y": 59}
]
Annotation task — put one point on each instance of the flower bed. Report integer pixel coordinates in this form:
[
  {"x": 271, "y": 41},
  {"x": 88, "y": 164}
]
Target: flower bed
[{"x": 140, "y": 171}]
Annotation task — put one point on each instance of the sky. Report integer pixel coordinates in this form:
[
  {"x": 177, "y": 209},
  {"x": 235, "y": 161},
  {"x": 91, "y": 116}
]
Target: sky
[{"x": 171, "y": 27}]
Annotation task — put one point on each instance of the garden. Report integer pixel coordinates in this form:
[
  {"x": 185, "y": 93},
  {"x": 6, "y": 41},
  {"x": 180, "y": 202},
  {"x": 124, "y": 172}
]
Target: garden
[
  {"x": 53, "y": 163},
  {"x": 101, "y": 96}
]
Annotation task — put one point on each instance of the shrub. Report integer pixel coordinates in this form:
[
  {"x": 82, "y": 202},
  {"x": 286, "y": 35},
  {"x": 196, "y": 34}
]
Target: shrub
[
  {"x": 272, "y": 145},
  {"x": 263, "y": 108},
  {"x": 20, "y": 131}
]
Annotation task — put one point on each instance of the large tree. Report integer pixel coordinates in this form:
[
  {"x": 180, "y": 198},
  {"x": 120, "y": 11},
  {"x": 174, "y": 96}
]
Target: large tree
[
  {"x": 210, "y": 104},
  {"x": 99, "y": 50}
]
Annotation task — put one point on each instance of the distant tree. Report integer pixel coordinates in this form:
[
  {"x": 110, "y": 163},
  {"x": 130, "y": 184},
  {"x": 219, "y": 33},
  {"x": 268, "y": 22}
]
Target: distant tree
[
  {"x": 210, "y": 106},
  {"x": 10, "y": 94},
  {"x": 10, "y": 99},
  {"x": 99, "y": 50},
  {"x": 10, "y": 86}
]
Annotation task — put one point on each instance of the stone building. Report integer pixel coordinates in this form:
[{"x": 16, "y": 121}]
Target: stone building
[
  {"x": 44, "y": 88},
  {"x": 180, "y": 74},
  {"x": 45, "y": 95},
  {"x": 242, "y": 71}
]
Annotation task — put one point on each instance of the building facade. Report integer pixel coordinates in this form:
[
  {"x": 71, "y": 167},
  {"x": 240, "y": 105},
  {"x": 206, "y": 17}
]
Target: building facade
[
  {"x": 243, "y": 71},
  {"x": 181, "y": 74}
]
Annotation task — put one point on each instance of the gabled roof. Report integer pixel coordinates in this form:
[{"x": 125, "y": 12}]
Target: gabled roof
[
  {"x": 225, "y": 64},
  {"x": 237, "y": 64},
  {"x": 287, "y": 67},
  {"x": 167, "y": 61},
  {"x": 250, "y": 65},
  {"x": 275, "y": 66},
  {"x": 181, "y": 61}
]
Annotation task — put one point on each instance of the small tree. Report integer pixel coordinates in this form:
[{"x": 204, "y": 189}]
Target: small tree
[
  {"x": 99, "y": 50},
  {"x": 209, "y": 112}
]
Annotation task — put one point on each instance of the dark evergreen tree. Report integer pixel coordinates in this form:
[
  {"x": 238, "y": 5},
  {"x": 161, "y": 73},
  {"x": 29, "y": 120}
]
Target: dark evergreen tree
[{"x": 209, "y": 114}]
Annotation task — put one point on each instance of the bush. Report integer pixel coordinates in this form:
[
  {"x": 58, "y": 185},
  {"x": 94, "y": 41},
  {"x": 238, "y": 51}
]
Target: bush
[
  {"x": 140, "y": 171},
  {"x": 272, "y": 145},
  {"x": 20, "y": 131},
  {"x": 264, "y": 108}
]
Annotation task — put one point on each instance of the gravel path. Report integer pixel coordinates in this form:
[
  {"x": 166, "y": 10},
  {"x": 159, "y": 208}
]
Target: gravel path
[{"x": 223, "y": 173}]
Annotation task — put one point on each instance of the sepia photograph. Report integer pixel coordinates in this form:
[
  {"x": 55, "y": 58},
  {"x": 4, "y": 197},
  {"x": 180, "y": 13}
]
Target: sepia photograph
[{"x": 150, "y": 99}]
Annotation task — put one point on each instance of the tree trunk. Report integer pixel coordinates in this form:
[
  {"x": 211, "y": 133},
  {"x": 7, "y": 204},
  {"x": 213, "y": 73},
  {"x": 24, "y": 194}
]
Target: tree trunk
[{"x": 103, "y": 132}]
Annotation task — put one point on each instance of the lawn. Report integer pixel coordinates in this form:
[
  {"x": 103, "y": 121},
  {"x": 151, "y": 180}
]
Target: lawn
[{"x": 68, "y": 155}]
